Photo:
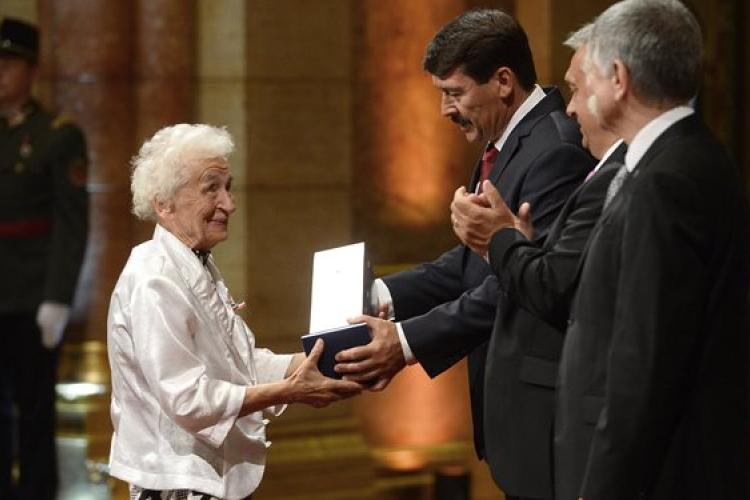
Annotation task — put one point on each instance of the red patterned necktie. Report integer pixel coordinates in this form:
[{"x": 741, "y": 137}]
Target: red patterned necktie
[{"x": 488, "y": 161}]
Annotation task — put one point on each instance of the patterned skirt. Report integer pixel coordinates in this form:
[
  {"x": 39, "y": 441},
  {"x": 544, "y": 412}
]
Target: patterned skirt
[{"x": 138, "y": 493}]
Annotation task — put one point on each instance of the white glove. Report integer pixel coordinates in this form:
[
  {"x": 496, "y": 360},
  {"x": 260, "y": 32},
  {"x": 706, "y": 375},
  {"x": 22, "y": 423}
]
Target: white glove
[{"x": 51, "y": 319}]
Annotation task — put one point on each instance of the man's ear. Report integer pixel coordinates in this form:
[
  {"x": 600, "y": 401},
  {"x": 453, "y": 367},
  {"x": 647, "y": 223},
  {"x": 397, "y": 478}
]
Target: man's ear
[
  {"x": 620, "y": 79},
  {"x": 505, "y": 79}
]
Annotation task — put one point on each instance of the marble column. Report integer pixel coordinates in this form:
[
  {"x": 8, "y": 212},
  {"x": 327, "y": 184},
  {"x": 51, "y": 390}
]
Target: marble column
[
  {"x": 90, "y": 47},
  {"x": 407, "y": 158},
  {"x": 164, "y": 71},
  {"x": 88, "y": 56}
]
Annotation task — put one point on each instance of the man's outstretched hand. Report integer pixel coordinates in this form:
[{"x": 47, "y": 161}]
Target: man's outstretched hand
[{"x": 377, "y": 362}]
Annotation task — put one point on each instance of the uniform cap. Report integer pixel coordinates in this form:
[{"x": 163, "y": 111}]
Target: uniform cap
[{"x": 19, "y": 38}]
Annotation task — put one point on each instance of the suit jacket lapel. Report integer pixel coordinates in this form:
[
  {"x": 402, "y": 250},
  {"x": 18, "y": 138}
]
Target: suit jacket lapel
[
  {"x": 553, "y": 101},
  {"x": 615, "y": 161},
  {"x": 475, "y": 175},
  {"x": 675, "y": 132}
]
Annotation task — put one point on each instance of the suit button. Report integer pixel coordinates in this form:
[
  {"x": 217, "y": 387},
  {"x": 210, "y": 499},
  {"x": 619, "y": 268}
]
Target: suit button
[{"x": 570, "y": 321}]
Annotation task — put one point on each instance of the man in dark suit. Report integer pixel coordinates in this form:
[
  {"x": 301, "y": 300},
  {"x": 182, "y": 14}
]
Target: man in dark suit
[
  {"x": 653, "y": 383},
  {"x": 537, "y": 280},
  {"x": 482, "y": 63}
]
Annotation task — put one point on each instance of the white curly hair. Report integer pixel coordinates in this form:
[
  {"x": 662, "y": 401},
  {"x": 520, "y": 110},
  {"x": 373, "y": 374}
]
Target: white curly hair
[{"x": 158, "y": 170}]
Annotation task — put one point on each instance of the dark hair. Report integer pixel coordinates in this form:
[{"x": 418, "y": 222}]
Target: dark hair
[{"x": 479, "y": 42}]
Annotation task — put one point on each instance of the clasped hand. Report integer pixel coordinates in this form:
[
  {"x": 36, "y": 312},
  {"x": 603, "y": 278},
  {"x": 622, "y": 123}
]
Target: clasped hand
[{"x": 477, "y": 217}]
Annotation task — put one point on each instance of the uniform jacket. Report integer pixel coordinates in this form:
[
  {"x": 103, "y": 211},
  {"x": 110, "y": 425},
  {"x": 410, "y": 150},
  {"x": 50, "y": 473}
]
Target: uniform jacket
[{"x": 43, "y": 210}]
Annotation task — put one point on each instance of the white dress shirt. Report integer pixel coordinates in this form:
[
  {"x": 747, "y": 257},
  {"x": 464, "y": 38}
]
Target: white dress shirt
[
  {"x": 646, "y": 137},
  {"x": 606, "y": 155},
  {"x": 181, "y": 362},
  {"x": 537, "y": 95}
]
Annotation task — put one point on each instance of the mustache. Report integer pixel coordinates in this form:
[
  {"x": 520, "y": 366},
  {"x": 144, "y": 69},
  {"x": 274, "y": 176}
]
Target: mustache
[{"x": 460, "y": 120}]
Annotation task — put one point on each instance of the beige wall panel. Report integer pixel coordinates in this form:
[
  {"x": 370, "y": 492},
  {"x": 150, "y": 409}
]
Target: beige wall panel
[
  {"x": 548, "y": 23},
  {"x": 285, "y": 227},
  {"x": 567, "y": 17},
  {"x": 536, "y": 18},
  {"x": 299, "y": 133},
  {"x": 299, "y": 38},
  {"x": 221, "y": 39},
  {"x": 21, "y": 9},
  {"x": 222, "y": 103}
]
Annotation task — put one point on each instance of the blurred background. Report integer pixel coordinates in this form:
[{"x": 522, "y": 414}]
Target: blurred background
[{"x": 339, "y": 139}]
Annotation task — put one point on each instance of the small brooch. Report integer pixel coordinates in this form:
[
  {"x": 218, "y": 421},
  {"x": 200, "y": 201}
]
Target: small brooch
[{"x": 237, "y": 306}]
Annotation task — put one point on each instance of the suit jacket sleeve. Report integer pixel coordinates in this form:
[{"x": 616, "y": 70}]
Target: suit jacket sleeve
[
  {"x": 541, "y": 274},
  {"x": 447, "y": 333},
  {"x": 552, "y": 178},
  {"x": 418, "y": 290},
  {"x": 70, "y": 215}
]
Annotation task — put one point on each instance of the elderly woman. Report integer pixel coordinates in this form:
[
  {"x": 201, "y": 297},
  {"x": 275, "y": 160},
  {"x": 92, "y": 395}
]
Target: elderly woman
[{"x": 189, "y": 387}]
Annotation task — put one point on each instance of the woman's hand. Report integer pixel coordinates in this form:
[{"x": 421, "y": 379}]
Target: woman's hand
[{"x": 308, "y": 386}]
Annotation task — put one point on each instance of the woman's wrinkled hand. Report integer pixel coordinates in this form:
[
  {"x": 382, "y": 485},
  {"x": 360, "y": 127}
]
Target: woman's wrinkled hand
[{"x": 310, "y": 387}]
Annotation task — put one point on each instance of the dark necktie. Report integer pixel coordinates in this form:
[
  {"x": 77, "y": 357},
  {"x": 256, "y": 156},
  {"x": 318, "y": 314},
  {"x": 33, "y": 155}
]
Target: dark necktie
[
  {"x": 488, "y": 161},
  {"x": 202, "y": 255},
  {"x": 614, "y": 186}
]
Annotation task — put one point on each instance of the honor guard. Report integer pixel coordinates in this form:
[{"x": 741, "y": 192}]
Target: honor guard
[{"x": 43, "y": 231}]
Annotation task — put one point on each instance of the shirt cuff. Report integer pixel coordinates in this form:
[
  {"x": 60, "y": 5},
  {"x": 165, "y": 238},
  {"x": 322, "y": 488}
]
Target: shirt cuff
[
  {"x": 408, "y": 355},
  {"x": 380, "y": 295}
]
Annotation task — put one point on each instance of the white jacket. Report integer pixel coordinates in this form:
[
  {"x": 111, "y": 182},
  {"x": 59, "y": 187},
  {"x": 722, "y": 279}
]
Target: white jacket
[{"x": 181, "y": 361}]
